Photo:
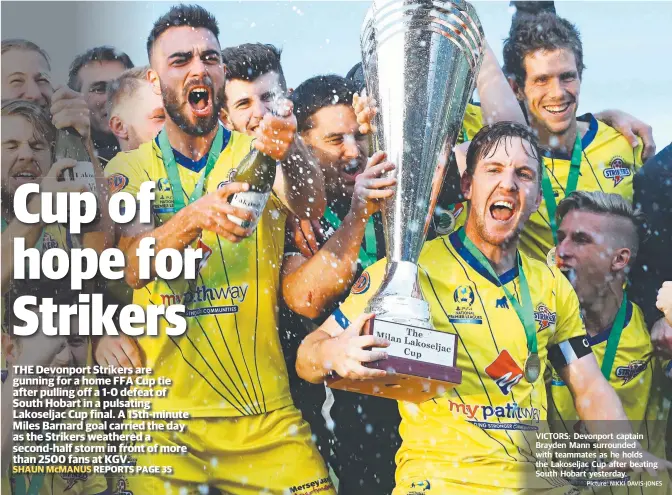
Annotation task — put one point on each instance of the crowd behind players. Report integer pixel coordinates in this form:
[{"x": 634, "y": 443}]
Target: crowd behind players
[{"x": 319, "y": 240}]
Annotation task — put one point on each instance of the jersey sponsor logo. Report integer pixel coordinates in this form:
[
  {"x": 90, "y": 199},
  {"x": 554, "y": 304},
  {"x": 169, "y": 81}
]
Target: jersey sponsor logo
[
  {"x": 207, "y": 252},
  {"x": 485, "y": 416},
  {"x": 505, "y": 372},
  {"x": 617, "y": 170},
  {"x": 502, "y": 303},
  {"x": 629, "y": 372},
  {"x": 116, "y": 182},
  {"x": 315, "y": 486},
  {"x": 203, "y": 294},
  {"x": 362, "y": 284},
  {"x": 72, "y": 478},
  {"x": 544, "y": 316},
  {"x": 464, "y": 297},
  {"x": 49, "y": 241},
  {"x": 163, "y": 201}
]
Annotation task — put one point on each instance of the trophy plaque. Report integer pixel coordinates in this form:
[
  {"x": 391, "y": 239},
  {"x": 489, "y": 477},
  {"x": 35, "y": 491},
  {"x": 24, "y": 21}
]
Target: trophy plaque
[{"x": 420, "y": 60}]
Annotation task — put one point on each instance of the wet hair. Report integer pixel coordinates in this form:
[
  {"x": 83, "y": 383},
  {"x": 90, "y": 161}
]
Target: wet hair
[
  {"x": 604, "y": 204},
  {"x": 544, "y": 31},
  {"x": 125, "y": 86},
  {"x": 250, "y": 61},
  {"x": 193, "y": 16},
  {"x": 489, "y": 137},
  {"x": 97, "y": 54},
  {"x": 319, "y": 92},
  {"x": 20, "y": 44},
  {"x": 38, "y": 118}
]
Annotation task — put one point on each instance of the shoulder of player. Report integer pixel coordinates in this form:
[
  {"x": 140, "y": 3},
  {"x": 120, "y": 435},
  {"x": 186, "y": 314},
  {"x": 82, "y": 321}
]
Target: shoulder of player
[
  {"x": 600, "y": 136},
  {"x": 237, "y": 140},
  {"x": 141, "y": 158}
]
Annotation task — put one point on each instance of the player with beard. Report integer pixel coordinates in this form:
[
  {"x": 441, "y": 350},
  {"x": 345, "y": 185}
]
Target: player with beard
[
  {"x": 90, "y": 73},
  {"x": 480, "y": 437},
  {"x": 597, "y": 244},
  {"x": 244, "y": 436}
]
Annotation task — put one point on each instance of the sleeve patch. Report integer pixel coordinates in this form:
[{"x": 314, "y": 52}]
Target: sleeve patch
[
  {"x": 362, "y": 284},
  {"x": 116, "y": 182}
]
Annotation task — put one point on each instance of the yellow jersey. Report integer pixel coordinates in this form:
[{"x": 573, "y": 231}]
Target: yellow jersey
[
  {"x": 57, "y": 484},
  {"x": 608, "y": 164},
  {"x": 638, "y": 377},
  {"x": 483, "y": 429},
  {"x": 229, "y": 361}
]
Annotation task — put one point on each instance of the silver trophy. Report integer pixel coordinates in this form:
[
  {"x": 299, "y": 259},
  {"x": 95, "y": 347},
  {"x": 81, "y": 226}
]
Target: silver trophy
[{"x": 421, "y": 59}]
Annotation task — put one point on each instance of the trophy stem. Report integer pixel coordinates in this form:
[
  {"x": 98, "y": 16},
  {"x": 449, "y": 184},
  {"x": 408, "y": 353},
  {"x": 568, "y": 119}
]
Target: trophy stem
[{"x": 399, "y": 298}]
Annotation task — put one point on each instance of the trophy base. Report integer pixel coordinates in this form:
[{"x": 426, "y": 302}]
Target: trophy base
[
  {"x": 420, "y": 366},
  {"x": 406, "y": 380}
]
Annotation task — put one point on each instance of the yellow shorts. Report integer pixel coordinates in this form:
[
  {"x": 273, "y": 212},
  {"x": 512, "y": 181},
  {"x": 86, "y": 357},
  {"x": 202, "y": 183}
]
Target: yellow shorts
[
  {"x": 268, "y": 453},
  {"x": 445, "y": 487}
]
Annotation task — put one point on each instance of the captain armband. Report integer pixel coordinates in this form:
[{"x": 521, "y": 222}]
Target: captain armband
[{"x": 564, "y": 353}]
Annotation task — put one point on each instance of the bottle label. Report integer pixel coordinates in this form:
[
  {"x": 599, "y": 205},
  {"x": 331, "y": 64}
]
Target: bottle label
[{"x": 250, "y": 200}]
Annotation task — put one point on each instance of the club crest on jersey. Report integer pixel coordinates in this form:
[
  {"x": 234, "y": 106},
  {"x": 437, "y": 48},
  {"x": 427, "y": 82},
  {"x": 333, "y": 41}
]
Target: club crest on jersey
[
  {"x": 629, "y": 372},
  {"x": 617, "y": 170},
  {"x": 121, "y": 488},
  {"x": 362, "y": 284},
  {"x": 49, "y": 241},
  {"x": 505, "y": 372},
  {"x": 116, "y": 182},
  {"x": 544, "y": 316},
  {"x": 72, "y": 478}
]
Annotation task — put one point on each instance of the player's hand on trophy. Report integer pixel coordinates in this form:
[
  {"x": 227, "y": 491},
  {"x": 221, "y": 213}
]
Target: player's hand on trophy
[
  {"x": 350, "y": 349},
  {"x": 305, "y": 234},
  {"x": 120, "y": 351},
  {"x": 661, "y": 338},
  {"x": 664, "y": 301},
  {"x": 631, "y": 128},
  {"x": 211, "y": 213},
  {"x": 69, "y": 109},
  {"x": 365, "y": 109},
  {"x": 276, "y": 132},
  {"x": 371, "y": 187}
]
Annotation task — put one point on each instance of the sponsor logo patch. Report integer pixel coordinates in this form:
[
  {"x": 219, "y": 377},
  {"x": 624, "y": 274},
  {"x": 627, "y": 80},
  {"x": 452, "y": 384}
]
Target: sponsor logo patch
[
  {"x": 116, "y": 182},
  {"x": 505, "y": 372},
  {"x": 362, "y": 284},
  {"x": 629, "y": 372},
  {"x": 617, "y": 170},
  {"x": 464, "y": 297},
  {"x": 502, "y": 303}
]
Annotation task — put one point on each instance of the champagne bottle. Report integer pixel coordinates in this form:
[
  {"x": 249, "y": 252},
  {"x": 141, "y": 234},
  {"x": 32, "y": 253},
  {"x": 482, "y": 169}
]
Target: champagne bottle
[
  {"x": 257, "y": 170},
  {"x": 69, "y": 144}
]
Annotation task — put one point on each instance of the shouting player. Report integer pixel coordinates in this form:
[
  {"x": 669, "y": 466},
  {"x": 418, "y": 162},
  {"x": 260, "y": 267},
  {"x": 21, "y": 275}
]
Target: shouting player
[
  {"x": 597, "y": 244},
  {"x": 480, "y": 437},
  {"x": 244, "y": 436}
]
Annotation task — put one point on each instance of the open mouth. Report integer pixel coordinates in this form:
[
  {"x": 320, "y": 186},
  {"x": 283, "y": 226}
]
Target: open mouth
[
  {"x": 200, "y": 100},
  {"x": 502, "y": 210},
  {"x": 25, "y": 176},
  {"x": 558, "y": 109},
  {"x": 352, "y": 169}
]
